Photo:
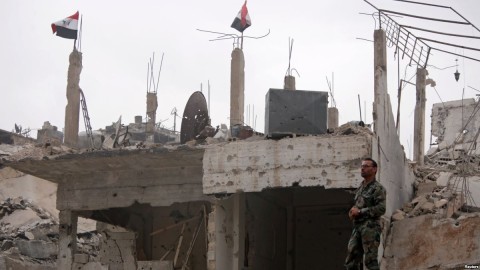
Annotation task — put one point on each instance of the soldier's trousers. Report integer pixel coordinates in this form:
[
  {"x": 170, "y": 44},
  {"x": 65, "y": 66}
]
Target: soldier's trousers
[{"x": 364, "y": 241}]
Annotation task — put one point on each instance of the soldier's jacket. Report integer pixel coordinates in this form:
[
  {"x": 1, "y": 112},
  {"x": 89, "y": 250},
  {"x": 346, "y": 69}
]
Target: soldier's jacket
[{"x": 371, "y": 201}]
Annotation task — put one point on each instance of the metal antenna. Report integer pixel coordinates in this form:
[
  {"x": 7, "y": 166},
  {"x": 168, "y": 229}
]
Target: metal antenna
[
  {"x": 360, "y": 107},
  {"x": 331, "y": 91},
  {"x": 159, "y": 71},
  {"x": 174, "y": 113},
  {"x": 290, "y": 51},
  {"x": 150, "y": 77},
  {"x": 237, "y": 40},
  {"x": 209, "y": 112}
]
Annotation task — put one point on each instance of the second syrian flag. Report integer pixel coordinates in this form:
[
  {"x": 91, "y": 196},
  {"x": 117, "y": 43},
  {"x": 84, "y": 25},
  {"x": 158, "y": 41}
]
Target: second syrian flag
[
  {"x": 67, "y": 28},
  {"x": 242, "y": 21}
]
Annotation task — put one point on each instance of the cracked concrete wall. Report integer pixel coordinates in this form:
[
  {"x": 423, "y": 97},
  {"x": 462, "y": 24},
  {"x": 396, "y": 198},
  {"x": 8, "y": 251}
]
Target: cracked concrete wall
[
  {"x": 394, "y": 171},
  {"x": 117, "y": 248},
  {"x": 329, "y": 161},
  {"x": 430, "y": 242},
  {"x": 449, "y": 119}
]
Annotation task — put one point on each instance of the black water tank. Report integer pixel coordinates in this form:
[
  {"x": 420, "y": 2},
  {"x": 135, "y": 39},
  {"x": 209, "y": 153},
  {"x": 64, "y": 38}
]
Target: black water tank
[{"x": 299, "y": 112}]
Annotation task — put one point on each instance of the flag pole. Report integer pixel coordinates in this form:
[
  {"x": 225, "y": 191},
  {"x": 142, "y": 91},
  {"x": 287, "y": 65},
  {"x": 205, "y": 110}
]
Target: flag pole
[
  {"x": 80, "y": 34},
  {"x": 241, "y": 42}
]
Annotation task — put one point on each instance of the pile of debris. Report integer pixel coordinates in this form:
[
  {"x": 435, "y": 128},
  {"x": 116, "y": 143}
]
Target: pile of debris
[
  {"x": 29, "y": 236},
  {"x": 439, "y": 190}
]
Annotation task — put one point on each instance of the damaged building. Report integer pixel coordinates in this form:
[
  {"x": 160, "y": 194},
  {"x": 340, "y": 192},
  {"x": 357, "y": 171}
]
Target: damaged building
[
  {"x": 254, "y": 203},
  {"x": 275, "y": 201}
]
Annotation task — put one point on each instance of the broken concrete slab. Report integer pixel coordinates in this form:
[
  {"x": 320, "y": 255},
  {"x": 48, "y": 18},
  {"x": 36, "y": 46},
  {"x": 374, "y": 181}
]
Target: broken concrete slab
[
  {"x": 425, "y": 188},
  {"x": 443, "y": 178},
  {"x": 426, "y": 242},
  {"x": 440, "y": 203},
  {"x": 427, "y": 206},
  {"x": 398, "y": 215},
  {"x": 81, "y": 258},
  {"x": 37, "y": 248},
  {"x": 332, "y": 162},
  {"x": 20, "y": 218},
  {"x": 155, "y": 265}
]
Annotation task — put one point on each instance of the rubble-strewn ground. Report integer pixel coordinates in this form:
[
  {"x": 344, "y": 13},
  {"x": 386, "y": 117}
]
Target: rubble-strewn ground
[
  {"x": 440, "y": 227},
  {"x": 29, "y": 236}
]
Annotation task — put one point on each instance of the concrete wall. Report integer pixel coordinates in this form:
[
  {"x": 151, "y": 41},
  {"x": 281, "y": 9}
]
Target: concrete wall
[
  {"x": 429, "y": 242},
  {"x": 16, "y": 184},
  {"x": 449, "y": 119},
  {"x": 329, "y": 161},
  {"x": 394, "y": 171}
]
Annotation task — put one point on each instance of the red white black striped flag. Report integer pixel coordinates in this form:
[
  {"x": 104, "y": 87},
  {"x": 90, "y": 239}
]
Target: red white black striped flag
[
  {"x": 242, "y": 21},
  {"x": 67, "y": 28}
]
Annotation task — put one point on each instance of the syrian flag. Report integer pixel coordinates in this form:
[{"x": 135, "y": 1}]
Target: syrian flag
[
  {"x": 66, "y": 28},
  {"x": 242, "y": 21}
]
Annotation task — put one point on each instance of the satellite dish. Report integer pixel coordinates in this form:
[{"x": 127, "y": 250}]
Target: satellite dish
[{"x": 195, "y": 117}]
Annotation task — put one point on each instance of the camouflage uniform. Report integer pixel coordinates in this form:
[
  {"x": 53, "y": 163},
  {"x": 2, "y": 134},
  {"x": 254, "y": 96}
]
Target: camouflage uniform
[{"x": 366, "y": 227}]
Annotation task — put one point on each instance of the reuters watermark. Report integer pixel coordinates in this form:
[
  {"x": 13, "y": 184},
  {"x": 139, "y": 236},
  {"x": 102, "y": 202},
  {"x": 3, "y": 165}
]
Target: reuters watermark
[{"x": 471, "y": 266}]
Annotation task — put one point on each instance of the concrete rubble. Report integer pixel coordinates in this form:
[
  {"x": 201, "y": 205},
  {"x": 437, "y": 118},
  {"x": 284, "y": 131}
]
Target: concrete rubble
[
  {"x": 440, "y": 227},
  {"x": 29, "y": 237}
]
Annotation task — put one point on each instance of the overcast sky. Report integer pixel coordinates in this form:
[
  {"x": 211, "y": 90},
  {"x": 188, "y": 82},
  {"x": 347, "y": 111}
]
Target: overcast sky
[{"x": 119, "y": 37}]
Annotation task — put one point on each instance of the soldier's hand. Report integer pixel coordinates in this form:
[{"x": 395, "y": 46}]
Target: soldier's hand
[{"x": 354, "y": 213}]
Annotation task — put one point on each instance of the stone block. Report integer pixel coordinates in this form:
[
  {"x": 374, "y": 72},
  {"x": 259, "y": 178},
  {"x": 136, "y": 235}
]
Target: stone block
[
  {"x": 432, "y": 151},
  {"x": 20, "y": 218},
  {"x": 6, "y": 245},
  {"x": 426, "y": 188},
  {"x": 81, "y": 258},
  {"x": 94, "y": 266},
  {"x": 36, "y": 248},
  {"x": 442, "y": 179},
  {"x": 399, "y": 215},
  {"x": 428, "y": 206},
  {"x": 154, "y": 265},
  {"x": 441, "y": 203}
]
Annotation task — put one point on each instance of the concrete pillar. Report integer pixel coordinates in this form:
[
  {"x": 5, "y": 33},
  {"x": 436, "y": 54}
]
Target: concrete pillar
[
  {"x": 380, "y": 78},
  {"x": 289, "y": 83},
  {"x": 152, "y": 105},
  {"x": 138, "y": 119},
  {"x": 238, "y": 231},
  {"x": 220, "y": 234},
  {"x": 72, "y": 110},
  {"x": 237, "y": 87},
  {"x": 332, "y": 117},
  {"x": 419, "y": 122},
  {"x": 226, "y": 234},
  {"x": 67, "y": 239}
]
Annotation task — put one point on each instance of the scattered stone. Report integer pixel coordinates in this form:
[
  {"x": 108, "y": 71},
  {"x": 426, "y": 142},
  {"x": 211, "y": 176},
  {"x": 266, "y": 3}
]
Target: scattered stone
[
  {"x": 29, "y": 235},
  {"x": 399, "y": 215},
  {"x": 6, "y": 245},
  {"x": 426, "y": 188},
  {"x": 440, "y": 203},
  {"x": 81, "y": 258},
  {"x": 428, "y": 206},
  {"x": 442, "y": 179},
  {"x": 36, "y": 248}
]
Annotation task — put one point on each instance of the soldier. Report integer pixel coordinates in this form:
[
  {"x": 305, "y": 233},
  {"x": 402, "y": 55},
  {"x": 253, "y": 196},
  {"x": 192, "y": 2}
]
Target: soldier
[{"x": 368, "y": 208}]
